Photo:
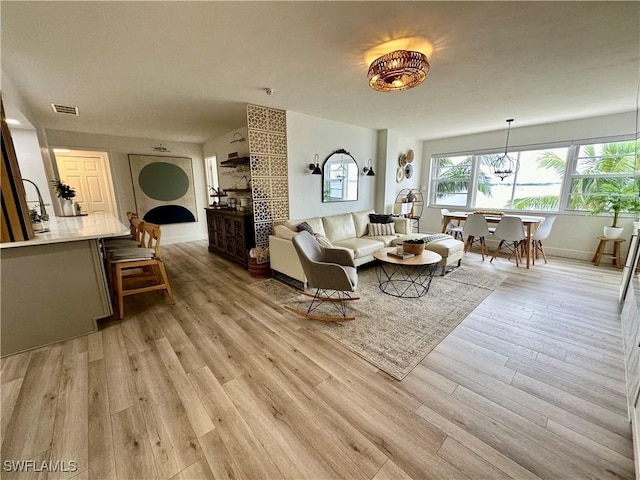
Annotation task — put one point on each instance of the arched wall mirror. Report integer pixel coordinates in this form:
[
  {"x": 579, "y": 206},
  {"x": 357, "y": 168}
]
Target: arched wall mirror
[{"x": 340, "y": 177}]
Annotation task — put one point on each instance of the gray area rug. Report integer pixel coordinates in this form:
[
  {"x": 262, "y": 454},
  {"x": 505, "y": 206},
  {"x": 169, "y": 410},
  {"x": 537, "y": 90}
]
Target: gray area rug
[{"x": 395, "y": 334}]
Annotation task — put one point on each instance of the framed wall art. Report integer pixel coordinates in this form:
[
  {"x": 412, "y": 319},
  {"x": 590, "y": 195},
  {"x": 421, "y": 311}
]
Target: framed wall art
[{"x": 163, "y": 188}]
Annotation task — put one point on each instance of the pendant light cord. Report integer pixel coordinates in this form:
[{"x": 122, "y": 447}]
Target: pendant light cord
[{"x": 506, "y": 146}]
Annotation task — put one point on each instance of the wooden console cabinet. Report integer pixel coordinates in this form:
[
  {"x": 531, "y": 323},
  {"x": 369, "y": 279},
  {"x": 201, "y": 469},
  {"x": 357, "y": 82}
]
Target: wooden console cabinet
[{"x": 231, "y": 234}]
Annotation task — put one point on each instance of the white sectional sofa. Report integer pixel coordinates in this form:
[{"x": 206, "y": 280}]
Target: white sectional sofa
[{"x": 351, "y": 231}]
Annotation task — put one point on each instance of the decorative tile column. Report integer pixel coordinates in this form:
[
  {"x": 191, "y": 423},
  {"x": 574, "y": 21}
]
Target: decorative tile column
[{"x": 269, "y": 180}]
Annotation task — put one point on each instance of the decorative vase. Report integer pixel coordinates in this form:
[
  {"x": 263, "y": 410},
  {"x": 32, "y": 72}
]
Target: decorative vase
[
  {"x": 67, "y": 208},
  {"x": 612, "y": 232}
]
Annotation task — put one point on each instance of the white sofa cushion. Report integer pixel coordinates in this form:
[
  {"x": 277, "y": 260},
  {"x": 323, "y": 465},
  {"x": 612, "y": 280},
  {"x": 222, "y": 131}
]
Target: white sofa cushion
[
  {"x": 339, "y": 227},
  {"x": 386, "y": 239},
  {"x": 361, "y": 247},
  {"x": 283, "y": 231},
  {"x": 402, "y": 224},
  {"x": 361, "y": 221}
]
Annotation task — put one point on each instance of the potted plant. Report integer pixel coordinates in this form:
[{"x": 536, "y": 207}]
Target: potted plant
[
  {"x": 37, "y": 220},
  {"x": 614, "y": 204},
  {"x": 66, "y": 193}
]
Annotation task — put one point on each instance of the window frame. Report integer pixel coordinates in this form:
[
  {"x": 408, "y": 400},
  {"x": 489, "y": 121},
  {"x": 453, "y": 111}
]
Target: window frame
[{"x": 573, "y": 148}]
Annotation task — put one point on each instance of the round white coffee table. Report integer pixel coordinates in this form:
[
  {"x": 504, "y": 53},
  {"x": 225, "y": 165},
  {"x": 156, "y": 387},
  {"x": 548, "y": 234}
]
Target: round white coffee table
[{"x": 405, "y": 277}]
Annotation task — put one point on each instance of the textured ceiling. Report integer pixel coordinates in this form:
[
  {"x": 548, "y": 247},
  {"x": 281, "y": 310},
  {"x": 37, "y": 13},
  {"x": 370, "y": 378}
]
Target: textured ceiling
[{"x": 183, "y": 71}]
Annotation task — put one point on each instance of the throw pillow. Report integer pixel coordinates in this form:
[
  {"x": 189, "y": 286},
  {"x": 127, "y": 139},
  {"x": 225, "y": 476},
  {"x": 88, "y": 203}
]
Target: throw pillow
[
  {"x": 323, "y": 241},
  {"x": 304, "y": 226},
  {"x": 380, "y": 218},
  {"x": 381, "y": 229}
]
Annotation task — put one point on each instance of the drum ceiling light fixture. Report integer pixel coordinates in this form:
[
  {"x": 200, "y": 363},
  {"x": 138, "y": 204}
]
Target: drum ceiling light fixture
[{"x": 398, "y": 70}]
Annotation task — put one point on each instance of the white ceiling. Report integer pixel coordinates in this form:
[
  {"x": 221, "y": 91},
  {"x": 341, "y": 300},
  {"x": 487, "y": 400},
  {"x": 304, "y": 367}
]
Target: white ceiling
[{"x": 183, "y": 71}]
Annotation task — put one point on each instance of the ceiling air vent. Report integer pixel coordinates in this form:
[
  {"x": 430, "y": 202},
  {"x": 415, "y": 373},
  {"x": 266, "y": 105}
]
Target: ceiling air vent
[{"x": 67, "y": 109}]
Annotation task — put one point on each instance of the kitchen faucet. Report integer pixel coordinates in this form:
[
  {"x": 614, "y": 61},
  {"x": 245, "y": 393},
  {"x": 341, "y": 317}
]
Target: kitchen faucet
[{"x": 43, "y": 210}]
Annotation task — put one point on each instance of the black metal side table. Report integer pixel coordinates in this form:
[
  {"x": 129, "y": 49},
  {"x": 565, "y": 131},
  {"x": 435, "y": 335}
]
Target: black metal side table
[{"x": 405, "y": 277}]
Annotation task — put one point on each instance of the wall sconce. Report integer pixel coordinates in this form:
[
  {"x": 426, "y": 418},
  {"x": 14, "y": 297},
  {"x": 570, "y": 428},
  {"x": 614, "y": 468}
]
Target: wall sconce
[
  {"x": 315, "y": 167},
  {"x": 368, "y": 170}
]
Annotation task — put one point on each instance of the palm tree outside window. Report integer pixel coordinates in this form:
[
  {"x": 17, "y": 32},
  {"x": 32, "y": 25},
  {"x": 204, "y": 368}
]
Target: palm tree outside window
[{"x": 552, "y": 179}]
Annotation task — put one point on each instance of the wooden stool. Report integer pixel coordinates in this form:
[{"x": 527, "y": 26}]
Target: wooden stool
[{"x": 616, "y": 251}]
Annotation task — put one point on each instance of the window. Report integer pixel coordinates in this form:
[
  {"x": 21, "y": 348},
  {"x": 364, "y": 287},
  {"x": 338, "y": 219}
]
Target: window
[
  {"x": 590, "y": 170},
  {"x": 532, "y": 187},
  {"x": 211, "y": 172},
  {"x": 452, "y": 178},
  {"x": 601, "y": 169}
]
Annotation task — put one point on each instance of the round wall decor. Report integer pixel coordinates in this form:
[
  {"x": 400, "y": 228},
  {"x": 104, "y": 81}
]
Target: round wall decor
[
  {"x": 402, "y": 160},
  {"x": 400, "y": 174},
  {"x": 408, "y": 170},
  {"x": 410, "y": 156}
]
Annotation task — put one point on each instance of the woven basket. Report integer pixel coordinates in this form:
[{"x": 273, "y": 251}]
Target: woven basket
[
  {"x": 415, "y": 248},
  {"x": 259, "y": 270}
]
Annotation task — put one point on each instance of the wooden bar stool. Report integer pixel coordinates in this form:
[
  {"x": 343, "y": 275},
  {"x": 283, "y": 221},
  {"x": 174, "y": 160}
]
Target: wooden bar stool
[
  {"x": 601, "y": 253},
  {"x": 139, "y": 269}
]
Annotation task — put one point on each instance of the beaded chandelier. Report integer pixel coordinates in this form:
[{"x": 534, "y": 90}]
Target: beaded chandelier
[{"x": 505, "y": 166}]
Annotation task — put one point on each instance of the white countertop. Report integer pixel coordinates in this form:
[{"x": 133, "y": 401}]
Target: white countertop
[{"x": 73, "y": 229}]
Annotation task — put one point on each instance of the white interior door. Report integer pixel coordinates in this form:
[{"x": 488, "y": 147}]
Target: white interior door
[{"x": 87, "y": 173}]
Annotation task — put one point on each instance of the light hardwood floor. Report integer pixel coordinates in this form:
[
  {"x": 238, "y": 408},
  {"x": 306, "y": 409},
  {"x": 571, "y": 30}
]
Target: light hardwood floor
[{"x": 224, "y": 385}]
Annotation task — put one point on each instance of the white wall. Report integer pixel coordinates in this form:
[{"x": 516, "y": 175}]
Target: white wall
[
  {"x": 306, "y": 136},
  {"x": 394, "y": 144},
  {"x": 574, "y": 235},
  {"x": 25, "y": 143},
  {"x": 42, "y": 170},
  {"x": 118, "y": 149},
  {"x": 221, "y": 147}
]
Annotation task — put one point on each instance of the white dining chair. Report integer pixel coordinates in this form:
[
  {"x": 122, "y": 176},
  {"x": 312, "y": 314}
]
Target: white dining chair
[
  {"x": 477, "y": 230},
  {"x": 510, "y": 231},
  {"x": 451, "y": 228},
  {"x": 541, "y": 234}
]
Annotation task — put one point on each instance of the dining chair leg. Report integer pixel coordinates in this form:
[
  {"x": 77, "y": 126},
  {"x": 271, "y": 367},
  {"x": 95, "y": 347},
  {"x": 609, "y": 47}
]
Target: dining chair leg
[
  {"x": 467, "y": 245},
  {"x": 542, "y": 250},
  {"x": 532, "y": 250},
  {"x": 497, "y": 251},
  {"x": 483, "y": 248},
  {"x": 165, "y": 281},
  {"x": 516, "y": 247}
]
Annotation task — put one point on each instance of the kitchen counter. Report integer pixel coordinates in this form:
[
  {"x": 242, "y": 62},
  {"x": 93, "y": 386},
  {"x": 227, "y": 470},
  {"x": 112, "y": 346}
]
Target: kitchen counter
[
  {"x": 71, "y": 229},
  {"x": 54, "y": 286}
]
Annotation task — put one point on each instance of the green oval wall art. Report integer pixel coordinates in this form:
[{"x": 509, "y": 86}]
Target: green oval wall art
[{"x": 163, "y": 181}]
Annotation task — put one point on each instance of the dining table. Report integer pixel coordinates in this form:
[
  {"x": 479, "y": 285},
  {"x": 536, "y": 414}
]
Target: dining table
[{"x": 530, "y": 222}]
